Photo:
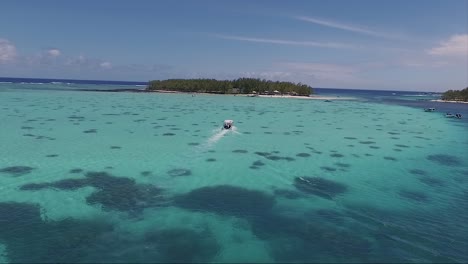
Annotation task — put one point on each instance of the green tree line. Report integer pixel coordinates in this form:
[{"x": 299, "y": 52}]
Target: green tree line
[
  {"x": 241, "y": 85},
  {"x": 456, "y": 95}
]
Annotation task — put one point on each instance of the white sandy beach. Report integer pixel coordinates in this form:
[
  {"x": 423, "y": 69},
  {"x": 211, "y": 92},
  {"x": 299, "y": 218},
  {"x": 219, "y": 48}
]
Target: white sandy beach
[
  {"x": 445, "y": 101},
  {"x": 312, "y": 97}
]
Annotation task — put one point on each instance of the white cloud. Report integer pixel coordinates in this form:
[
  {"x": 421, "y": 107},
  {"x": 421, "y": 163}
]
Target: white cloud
[
  {"x": 286, "y": 42},
  {"x": 7, "y": 51},
  {"x": 105, "y": 65},
  {"x": 346, "y": 27},
  {"x": 457, "y": 45},
  {"x": 53, "y": 52}
]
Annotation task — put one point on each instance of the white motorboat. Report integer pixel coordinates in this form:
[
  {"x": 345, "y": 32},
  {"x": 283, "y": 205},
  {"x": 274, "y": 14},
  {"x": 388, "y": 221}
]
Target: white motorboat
[{"x": 228, "y": 124}]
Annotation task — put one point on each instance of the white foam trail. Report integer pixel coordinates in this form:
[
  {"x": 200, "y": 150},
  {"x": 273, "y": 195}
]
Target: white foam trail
[{"x": 218, "y": 135}]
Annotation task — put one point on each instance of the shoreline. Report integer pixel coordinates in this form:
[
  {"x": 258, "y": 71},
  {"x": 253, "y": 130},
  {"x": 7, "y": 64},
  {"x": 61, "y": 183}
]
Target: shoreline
[
  {"x": 311, "y": 97},
  {"x": 447, "y": 101}
]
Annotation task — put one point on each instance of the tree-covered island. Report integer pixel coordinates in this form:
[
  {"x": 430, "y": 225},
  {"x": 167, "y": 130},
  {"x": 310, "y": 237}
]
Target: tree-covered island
[
  {"x": 238, "y": 86},
  {"x": 456, "y": 95}
]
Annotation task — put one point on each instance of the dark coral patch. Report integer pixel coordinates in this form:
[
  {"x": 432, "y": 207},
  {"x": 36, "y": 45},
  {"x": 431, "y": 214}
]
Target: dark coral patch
[
  {"x": 69, "y": 184},
  {"x": 374, "y": 147},
  {"x": 76, "y": 171},
  {"x": 179, "y": 172},
  {"x": 67, "y": 241},
  {"x": 336, "y": 155},
  {"x": 401, "y": 146},
  {"x": 193, "y": 144},
  {"x": 104, "y": 180},
  {"x": 288, "y": 194},
  {"x": 115, "y": 147},
  {"x": 319, "y": 186},
  {"x": 270, "y": 156},
  {"x": 350, "y": 138},
  {"x": 418, "y": 172},
  {"x": 342, "y": 165},
  {"x": 16, "y": 171},
  {"x": 182, "y": 245},
  {"x": 258, "y": 163},
  {"x": 298, "y": 240},
  {"x": 431, "y": 181},
  {"x": 413, "y": 195},
  {"x": 15, "y": 217},
  {"x": 443, "y": 159},
  {"x": 303, "y": 155},
  {"x": 211, "y": 160},
  {"x": 33, "y": 186},
  {"x": 226, "y": 200},
  {"x": 113, "y": 193},
  {"x": 126, "y": 197},
  {"x": 168, "y": 134},
  {"x": 240, "y": 151},
  {"x": 146, "y": 173},
  {"x": 90, "y": 131},
  {"x": 366, "y": 142},
  {"x": 52, "y": 155},
  {"x": 274, "y": 157},
  {"x": 122, "y": 194},
  {"x": 326, "y": 168},
  {"x": 390, "y": 158}
]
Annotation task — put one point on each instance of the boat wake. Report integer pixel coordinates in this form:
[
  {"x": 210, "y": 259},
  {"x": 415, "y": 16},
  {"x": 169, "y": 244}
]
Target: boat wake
[
  {"x": 217, "y": 136},
  {"x": 192, "y": 155}
]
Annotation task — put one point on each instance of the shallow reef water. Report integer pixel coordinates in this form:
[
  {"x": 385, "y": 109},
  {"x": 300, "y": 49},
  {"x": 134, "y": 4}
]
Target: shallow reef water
[{"x": 152, "y": 178}]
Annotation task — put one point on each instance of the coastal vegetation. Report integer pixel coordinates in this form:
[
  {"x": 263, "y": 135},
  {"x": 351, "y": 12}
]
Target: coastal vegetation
[
  {"x": 456, "y": 95},
  {"x": 238, "y": 86}
]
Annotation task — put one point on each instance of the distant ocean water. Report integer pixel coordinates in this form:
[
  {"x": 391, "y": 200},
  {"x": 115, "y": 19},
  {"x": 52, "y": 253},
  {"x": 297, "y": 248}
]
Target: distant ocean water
[
  {"x": 5, "y": 80},
  {"x": 135, "y": 177}
]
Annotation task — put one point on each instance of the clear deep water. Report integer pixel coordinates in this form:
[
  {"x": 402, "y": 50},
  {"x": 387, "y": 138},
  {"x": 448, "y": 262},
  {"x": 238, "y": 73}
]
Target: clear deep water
[{"x": 132, "y": 177}]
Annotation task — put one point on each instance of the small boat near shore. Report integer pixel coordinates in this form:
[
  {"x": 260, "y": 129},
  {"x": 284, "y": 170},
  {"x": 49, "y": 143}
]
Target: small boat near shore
[
  {"x": 430, "y": 109},
  {"x": 450, "y": 115}
]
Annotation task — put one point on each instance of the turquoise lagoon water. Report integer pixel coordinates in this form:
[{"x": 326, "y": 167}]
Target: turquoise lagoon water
[{"x": 136, "y": 177}]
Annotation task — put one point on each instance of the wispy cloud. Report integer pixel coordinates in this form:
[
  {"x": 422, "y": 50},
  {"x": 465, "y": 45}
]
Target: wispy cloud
[
  {"x": 105, "y": 65},
  {"x": 7, "y": 51},
  {"x": 456, "y": 45},
  {"x": 347, "y": 27},
  {"x": 53, "y": 52},
  {"x": 287, "y": 42}
]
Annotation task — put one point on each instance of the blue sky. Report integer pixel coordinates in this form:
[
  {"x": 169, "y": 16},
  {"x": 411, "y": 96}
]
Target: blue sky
[{"x": 404, "y": 45}]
